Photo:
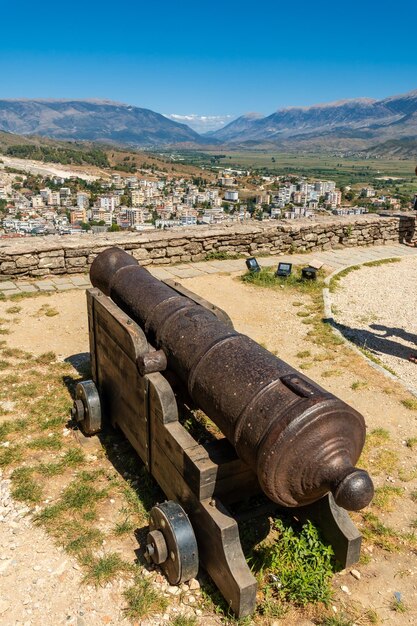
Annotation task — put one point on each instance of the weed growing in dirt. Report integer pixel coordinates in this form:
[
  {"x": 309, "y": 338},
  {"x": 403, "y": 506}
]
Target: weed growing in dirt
[
  {"x": 183, "y": 620},
  {"x": 47, "y": 310},
  {"x": 411, "y": 442},
  {"x": 101, "y": 570},
  {"x": 410, "y": 404},
  {"x": 10, "y": 455},
  {"x": 25, "y": 488},
  {"x": 398, "y": 605},
  {"x": 298, "y": 563},
  {"x": 379, "y": 534},
  {"x": 385, "y": 497},
  {"x": 222, "y": 255},
  {"x": 382, "y": 262},
  {"x": 304, "y": 354},
  {"x": 358, "y": 384},
  {"x": 371, "y": 356},
  {"x": 142, "y": 598}
]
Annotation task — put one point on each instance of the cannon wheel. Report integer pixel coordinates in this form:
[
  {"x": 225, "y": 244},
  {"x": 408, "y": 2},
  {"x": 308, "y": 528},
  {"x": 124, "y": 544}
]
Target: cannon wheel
[
  {"x": 171, "y": 542},
  {"x": 86, "y": 409}
]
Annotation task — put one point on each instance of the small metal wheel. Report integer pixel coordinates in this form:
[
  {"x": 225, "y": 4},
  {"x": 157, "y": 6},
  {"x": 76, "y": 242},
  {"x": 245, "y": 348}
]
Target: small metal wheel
[
  {"x": 171, "y": 542},
  {"x": 86, "y": 409}
]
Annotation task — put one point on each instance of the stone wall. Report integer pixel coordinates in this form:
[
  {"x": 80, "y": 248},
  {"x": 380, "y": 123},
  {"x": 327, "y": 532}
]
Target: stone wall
[{"x": 41, "y": 256}]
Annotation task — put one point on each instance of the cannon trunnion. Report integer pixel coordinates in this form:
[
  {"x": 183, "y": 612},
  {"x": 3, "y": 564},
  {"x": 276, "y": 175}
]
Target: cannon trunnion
[{"x": 285, "y": 436}]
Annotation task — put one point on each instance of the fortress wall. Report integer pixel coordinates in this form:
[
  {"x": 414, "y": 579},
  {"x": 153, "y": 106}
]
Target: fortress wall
[{"x": 43, "y": 256}]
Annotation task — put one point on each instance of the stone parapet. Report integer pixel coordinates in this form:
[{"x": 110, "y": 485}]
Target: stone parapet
[{"x": 51, "y": 255}]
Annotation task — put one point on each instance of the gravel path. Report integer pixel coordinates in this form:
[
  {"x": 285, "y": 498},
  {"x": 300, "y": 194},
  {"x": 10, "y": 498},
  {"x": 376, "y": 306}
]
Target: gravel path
[
  {"x": 376, "y": 308},
  {"x": 40, "y": 583}
]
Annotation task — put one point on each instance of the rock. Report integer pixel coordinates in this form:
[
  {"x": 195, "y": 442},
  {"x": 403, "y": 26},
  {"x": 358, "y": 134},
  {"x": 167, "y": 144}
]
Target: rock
[
  {"x": 193, "y": 584},
  {"x": 173, "y": 590},
  {"x": 355, "y": 574},
  {"x": 345, "y": 589}
]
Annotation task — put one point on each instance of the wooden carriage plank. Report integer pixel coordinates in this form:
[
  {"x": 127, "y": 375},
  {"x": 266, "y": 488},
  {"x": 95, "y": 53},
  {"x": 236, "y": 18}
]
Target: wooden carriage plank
[
  {"x": 217, "y": 536},
  {"x": 128, "y": 335}
]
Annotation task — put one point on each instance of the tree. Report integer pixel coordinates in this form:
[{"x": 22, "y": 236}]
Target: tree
[{"x": 114, "y": 228}]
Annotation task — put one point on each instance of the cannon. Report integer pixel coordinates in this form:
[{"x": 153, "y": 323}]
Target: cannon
[{"x": 157, "y": 351}]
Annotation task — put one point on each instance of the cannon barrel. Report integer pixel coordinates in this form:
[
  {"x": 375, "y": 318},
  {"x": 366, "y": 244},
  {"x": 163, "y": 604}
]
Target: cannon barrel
[{"x": 301, "y": 441}]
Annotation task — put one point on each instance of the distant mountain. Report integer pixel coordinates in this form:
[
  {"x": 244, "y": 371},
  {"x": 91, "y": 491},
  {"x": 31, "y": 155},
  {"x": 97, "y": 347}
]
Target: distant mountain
[
  {"x": 239, "y": 126},
  {"x": 92, "y": 120},
  {"x": 347, "y": 124}
]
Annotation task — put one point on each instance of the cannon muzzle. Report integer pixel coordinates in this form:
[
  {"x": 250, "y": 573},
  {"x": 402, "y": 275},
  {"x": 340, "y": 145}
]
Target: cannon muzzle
[{"x": 301, "y": 441}]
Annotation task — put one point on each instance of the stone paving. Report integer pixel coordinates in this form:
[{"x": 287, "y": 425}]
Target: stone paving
[{"x": 333, "y": 259}]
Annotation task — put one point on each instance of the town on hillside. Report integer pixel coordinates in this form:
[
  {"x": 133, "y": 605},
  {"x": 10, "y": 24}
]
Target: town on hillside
[{"x": 40, "y": 204}]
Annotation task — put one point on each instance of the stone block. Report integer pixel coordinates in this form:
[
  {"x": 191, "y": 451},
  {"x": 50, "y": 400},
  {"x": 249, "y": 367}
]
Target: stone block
[
  {"x": 7, "y": 265},
  {"x": 27, "y": 260},
  {"x": 51, "y": 253},
  {"x": 77, "y": 252},
  {"x": 140, "y": 253},
  {"x": 78, "y": 262},
  {"x": 158, "y": 253},
  {"x": 174, "y": 252},
  {"x": 51, "y": 262}
]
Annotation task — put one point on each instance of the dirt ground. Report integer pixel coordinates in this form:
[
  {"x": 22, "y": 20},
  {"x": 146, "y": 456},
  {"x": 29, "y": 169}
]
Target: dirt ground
[{"x": 58, "y": 323}]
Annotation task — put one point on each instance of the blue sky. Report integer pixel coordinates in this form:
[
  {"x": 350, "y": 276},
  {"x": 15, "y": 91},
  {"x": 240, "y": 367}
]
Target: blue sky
[{"x": 214, "y": 59}]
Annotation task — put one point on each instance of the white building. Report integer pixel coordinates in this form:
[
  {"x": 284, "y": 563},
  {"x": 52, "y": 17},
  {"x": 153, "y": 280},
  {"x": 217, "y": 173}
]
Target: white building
[
  {"x": 232, "y": 196},
  {"x": 83, "y": 201}
]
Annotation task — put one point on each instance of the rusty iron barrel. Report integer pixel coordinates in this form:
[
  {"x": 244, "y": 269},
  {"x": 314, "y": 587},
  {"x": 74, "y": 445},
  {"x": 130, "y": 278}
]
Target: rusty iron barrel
[{"x": 301, "y": 440}]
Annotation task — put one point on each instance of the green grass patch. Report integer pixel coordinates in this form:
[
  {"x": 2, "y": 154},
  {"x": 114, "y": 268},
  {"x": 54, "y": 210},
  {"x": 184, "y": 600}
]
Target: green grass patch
[
  {"x": 222, "y": 255},
  {"x": 266, "y": 278},
  {"x": 411, "y": 443},
  {"x": 143, "y": 599},
  {"x": 25, "y": 488},
  {"x": 10, "y": 455},
  {"x": 382, "y": 262},
  {"x": 13, "y": 310},
  {"x": 46, "y": 443},
  {"x": 16, "y": 353},
  {"x": 102, "y": 570},
  {"x": 299, "y": 561},
  {"x": 86, "y": 539},
  {"x": 5, "y": 429},
  {"x": 79, "y": 495}
]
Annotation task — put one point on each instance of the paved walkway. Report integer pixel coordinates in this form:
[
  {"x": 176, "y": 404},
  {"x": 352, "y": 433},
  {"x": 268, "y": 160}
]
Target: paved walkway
[{"x": 333, "y": 259}]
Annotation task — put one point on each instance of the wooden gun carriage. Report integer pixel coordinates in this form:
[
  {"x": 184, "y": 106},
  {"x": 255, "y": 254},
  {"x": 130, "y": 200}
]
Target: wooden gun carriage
[{"x": 157, "y": 349}]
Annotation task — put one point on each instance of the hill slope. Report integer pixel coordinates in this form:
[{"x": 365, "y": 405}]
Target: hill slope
[{"x": 93, "y": 121}]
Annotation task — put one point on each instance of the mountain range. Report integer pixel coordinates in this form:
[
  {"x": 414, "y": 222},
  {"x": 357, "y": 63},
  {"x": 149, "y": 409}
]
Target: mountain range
[
  {"x": 93, "y": 120},
  {"x": 350, "y": 125},
  {"x": 355, "y": 123}
]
